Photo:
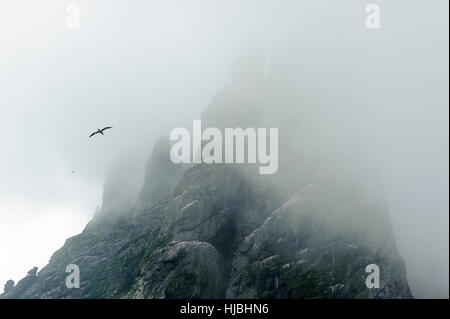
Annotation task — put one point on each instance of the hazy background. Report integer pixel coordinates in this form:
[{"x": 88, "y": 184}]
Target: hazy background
[{"x": 145, "y": 67}]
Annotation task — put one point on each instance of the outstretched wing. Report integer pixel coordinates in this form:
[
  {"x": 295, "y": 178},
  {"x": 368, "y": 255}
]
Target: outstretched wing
[
  {"x": 106, "y": 128},
  {"x": 93, "y": 134}
]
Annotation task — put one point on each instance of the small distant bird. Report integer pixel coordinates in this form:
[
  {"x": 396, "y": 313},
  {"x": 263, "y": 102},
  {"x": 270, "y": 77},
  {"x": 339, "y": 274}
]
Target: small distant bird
[
  {"x": 72, "y": 172},
  {"x": 100, "y": 131}
]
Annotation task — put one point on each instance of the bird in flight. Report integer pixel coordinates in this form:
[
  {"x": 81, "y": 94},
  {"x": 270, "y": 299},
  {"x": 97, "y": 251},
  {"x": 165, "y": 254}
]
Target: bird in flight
[{"x": 100, "y": 131}]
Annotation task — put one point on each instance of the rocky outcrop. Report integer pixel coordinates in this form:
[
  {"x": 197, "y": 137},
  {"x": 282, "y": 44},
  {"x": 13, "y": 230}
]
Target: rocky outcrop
[
  {"x": 221, "y": 230},
  {"x": 188, "y": 269},
  {"x": 161, "y": 175},
  {"x": 317, "y": 245},
  {"x": 222, "y": 235},
  {"x": 22, "y": 287},
  {"x": 9, "y": 285}
]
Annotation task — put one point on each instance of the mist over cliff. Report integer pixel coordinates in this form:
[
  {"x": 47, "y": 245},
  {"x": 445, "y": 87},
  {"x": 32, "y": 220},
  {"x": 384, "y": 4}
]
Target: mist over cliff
[
  {"x": 363, "y": 150},
  {"x": 222, "y": 230}
]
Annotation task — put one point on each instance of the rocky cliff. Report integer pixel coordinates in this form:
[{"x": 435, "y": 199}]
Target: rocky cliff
[{"x": 223, "y": 231}]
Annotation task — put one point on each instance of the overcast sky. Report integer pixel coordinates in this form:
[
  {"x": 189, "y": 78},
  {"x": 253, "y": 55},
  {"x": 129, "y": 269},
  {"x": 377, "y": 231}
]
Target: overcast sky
[{"x": 145, "y": 67}]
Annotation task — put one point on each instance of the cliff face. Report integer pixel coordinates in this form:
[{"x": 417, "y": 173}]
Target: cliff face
[
  {"x": 222, "y": 230},
  {"x": 220, "y": 234}
]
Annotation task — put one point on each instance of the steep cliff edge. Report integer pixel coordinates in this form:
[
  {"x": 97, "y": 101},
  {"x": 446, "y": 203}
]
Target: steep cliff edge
[
  {"x": 222, "y": 230},
  {"x": 221, "y": 235}
]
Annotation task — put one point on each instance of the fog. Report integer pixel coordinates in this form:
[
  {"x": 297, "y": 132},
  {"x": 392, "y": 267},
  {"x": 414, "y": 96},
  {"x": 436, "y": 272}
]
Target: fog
[{"x": 146, "y": 67}]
